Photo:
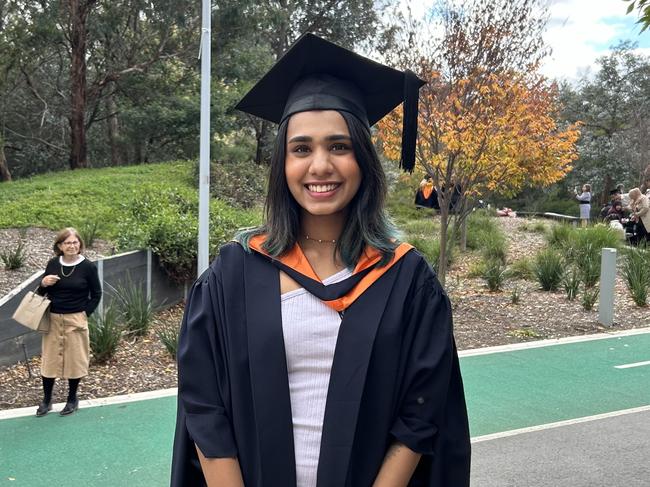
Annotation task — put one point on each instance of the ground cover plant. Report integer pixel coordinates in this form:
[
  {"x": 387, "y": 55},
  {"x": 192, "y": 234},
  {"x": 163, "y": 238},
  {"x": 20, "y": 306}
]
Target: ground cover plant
[
  {"x": 73, "y": 198},
  {"x": 14, "y": 258},
  {"x": 105, "y": 333},
  {"x": 636, "y": 271}
]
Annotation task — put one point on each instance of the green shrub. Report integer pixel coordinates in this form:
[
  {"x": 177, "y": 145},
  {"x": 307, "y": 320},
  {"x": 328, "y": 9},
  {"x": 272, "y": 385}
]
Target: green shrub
[
  {"x": 485, "y": 234},
  {"x": 583, "y": 247},
  {"x": 168, "y": 336},
  {"x": 636, "y": 272},
  {"x": 534, "y": 227},
  {"x": 135, "y": 309},
  {"x": 430, "y": 249},
  {"x": 595, "y": 238},
  {"x": 476, "y": 269},
  {"x": 522, "y": 268},
  {"x": 560, "y": 235},
  {"x": 588, "y": 262},
  {"x": 88, "y": 232},
  {"x": 539, "y": 227},
  {"x": 480, "y": 227},
  {"x": 589, "y": 298},
  {"x": 105, "y": 333},
  {"x": 241, "y": 184},
  {"x": 167, "y": 222},
  {"x": 571, "y": 283},
  {"x": 14, "y": 258},
  {"x": 495, "y": 247},
  {"x": 421, "y": 227},
  {"x": 549, "y": 269},
  {"x": 494, "y": 274}
]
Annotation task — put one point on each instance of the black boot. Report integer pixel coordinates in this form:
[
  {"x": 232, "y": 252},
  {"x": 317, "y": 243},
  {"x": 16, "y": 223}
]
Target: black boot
[
  {"x": 72, "y": 404},
  {"x": 44, "y": 408},
  {"x": 70, "y": 407},
  {"x": 46, "y": 405}
]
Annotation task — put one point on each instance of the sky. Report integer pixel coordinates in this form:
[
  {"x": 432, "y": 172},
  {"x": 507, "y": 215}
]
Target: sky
[{"x": 579, "y": 32}]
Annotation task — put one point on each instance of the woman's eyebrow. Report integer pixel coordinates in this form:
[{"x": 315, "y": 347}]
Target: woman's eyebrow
[
  {"x": 329, "y": 138},
  {"x": 300, "y": 138},
  {"x": 338, "y": 137}
]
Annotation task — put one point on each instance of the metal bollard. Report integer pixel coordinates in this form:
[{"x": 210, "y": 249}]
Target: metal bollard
[{"x": 607, "y": 283}]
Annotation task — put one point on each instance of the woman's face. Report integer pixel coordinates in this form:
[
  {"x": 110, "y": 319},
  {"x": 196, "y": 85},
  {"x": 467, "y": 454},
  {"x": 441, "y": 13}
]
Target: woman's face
[
  {"x": 70, "y": 246},
  {"x": 321, "y": 169}
]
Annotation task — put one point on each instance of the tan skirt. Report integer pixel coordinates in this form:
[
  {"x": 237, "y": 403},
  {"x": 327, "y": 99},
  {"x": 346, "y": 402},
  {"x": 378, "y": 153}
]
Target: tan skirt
[{"x": 66, "y": 347}]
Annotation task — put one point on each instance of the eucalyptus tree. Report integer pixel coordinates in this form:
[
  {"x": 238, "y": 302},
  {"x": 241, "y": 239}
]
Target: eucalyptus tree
[{"x": 612, "y": 105}]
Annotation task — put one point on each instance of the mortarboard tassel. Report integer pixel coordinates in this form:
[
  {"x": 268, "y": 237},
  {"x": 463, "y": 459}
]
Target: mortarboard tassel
[{"x": 410, "y": 120}]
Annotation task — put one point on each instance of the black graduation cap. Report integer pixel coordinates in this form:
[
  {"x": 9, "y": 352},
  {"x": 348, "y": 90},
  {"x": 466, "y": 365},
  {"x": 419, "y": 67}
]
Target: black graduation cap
[
  {"x": 315, "y": 74},
  {"x": 612, "y": 192}
]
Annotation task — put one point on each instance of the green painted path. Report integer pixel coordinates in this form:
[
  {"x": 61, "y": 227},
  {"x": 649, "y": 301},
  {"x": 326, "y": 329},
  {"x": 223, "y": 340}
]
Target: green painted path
[
  {"x": 524, "y": 388},
  {"x": 130, "y": 444},
  {"x": 119, "y": 445}
]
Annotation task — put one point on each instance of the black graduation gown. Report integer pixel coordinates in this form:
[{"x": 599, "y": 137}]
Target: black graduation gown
[{"x": 395, "y": 377}]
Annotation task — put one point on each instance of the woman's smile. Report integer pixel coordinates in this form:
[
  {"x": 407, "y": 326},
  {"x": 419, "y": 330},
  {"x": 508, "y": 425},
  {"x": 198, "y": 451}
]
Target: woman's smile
[{"x": 322, "y": 190}]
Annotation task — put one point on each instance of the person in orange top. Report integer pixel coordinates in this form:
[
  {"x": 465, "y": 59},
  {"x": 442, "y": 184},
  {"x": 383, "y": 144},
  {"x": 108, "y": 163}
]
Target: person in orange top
[{"x": 317, "y": 350}]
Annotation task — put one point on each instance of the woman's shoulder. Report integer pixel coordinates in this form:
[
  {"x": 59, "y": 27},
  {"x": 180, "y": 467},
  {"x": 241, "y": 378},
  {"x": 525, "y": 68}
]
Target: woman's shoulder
[
  {"x": 418, "y": 269},
  {"x": 87, "y": 263},
  {"x": 230, "y": 258}
]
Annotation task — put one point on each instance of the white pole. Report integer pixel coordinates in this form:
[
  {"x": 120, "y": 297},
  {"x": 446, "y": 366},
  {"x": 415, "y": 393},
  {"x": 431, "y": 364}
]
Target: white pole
[
  {"x": 204, "y": 161},
  {"x": 607, "y": 283}
]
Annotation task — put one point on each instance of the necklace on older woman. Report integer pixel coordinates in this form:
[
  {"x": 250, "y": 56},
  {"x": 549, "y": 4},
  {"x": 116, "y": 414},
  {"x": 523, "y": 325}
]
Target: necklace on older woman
[{"x": 70, "y": 273}]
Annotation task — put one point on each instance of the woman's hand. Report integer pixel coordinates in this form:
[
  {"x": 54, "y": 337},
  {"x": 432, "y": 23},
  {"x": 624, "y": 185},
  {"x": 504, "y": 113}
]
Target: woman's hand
[{"x": 50, "y": 280}]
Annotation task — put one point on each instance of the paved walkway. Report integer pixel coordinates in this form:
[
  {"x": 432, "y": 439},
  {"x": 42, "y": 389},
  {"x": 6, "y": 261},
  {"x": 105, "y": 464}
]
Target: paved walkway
[{"x": 525, "y": 406}]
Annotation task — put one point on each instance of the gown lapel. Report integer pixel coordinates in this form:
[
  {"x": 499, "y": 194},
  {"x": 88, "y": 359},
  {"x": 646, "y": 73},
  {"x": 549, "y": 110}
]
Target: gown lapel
[
  {"x": 347, "y": 380},
  {"x": 268, "y": 370}
]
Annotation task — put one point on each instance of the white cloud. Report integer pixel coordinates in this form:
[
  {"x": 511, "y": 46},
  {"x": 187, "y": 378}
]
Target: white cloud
[{"x": 580, "y": 31}]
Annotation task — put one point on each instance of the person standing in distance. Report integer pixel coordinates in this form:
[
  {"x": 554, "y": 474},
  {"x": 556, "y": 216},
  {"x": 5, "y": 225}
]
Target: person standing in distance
[{"x": 72, "y": 284}]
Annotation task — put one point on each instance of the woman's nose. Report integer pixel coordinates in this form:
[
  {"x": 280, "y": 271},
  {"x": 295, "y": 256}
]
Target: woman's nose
[{"x": 320, "y": 163}]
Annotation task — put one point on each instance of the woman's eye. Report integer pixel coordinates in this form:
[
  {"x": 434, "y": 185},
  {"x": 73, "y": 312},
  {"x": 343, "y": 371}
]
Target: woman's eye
[
  {"x": 301, "y": 149},
  {"x": 340, "y": 147}
]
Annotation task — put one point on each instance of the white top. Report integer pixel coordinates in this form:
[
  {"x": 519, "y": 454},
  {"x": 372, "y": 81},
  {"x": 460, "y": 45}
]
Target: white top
[
  {"x": 310, "y": 330},
  {"x": 77, "y": 261}
]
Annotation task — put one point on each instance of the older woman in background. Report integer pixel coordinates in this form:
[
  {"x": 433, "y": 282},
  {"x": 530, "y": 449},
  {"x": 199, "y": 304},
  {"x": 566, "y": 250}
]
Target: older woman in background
[
  {"x": 72, "y": 284},
  {"x": 640, "y": 214}
]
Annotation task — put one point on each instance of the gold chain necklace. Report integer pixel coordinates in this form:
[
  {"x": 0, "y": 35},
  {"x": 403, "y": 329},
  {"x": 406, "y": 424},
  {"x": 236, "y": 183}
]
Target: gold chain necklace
[
  {"x": 320, "y": 240},
  {"x": 68, "y": 275}
]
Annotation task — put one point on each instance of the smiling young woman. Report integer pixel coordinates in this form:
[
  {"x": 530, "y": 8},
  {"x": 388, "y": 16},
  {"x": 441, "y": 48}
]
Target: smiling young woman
[{"x": 317, "y": 350}]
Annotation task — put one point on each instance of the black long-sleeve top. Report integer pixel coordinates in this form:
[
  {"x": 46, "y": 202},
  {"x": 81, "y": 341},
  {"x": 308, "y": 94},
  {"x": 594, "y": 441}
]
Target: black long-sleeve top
[{"x": 79, "y": 291}]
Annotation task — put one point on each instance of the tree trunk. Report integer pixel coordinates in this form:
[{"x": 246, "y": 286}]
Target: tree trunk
[
  {"x": 5, "y": 175},
  {"x": 260, "y": 136},
  {"x": 79, "y": 10},
  {"x": 114, "y": 137},
  {"x": 444, "y": 235}
]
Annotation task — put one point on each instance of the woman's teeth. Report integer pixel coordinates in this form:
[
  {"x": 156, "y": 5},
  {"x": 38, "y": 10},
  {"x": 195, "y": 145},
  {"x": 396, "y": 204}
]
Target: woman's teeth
[{"x": 321, "y": 188}]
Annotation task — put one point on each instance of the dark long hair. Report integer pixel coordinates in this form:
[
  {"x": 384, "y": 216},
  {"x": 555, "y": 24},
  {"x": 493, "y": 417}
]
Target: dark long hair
[{"x": 367, "y": 222}]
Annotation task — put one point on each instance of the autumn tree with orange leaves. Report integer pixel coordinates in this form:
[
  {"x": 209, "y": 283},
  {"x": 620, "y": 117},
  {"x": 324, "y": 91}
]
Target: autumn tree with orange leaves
[{"x": 487, "y": 120}]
